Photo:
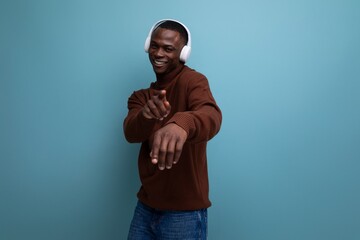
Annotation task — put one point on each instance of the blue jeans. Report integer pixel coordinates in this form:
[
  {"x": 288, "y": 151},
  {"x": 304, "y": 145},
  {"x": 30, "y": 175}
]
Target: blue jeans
[{"x": 149, "y": 223}]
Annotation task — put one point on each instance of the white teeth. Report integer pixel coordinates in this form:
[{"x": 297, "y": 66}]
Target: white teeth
[{"x": 158, "y": 62}]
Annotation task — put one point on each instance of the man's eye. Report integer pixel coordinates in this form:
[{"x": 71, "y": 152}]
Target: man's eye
[
  {"x": 152, "y": 46},
  {"x": 169, "y": 49}
]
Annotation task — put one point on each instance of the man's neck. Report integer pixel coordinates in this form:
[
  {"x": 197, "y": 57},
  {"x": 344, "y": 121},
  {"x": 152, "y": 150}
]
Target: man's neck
[{"x": 169, "y": 76}]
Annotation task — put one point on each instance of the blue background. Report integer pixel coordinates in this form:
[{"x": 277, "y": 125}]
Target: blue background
[{"x": 286, "y": 75}]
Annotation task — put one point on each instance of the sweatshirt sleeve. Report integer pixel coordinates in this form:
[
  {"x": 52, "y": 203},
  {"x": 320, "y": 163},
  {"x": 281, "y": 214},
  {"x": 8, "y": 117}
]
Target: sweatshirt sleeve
[
  {"x": 203, "y": 119},
  {"x": 137, "y": 128}
]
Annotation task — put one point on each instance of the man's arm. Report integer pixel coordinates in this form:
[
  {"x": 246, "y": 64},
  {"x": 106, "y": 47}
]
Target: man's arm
[
  {"x": 200, "y": 123},
  {"x": 203, "y": 120}
]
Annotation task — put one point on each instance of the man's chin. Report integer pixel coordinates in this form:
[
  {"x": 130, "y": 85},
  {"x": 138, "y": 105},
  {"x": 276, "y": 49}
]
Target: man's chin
[{"x": 158, "y": 70}]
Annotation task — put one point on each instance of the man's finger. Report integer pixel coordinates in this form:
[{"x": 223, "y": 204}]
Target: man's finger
[
  {"x": 153, "y": 160},
  {"x": 168, "y": 108},
  {"x": 147, "y": 112},
  {"x": 153, "y": 107},
  {"x": 163, "y": 106},
  {"x": 162, "y": 152},
  {"x": 178, "y": 150},
  {"x": 170, "y": 154},
  {"x": 155, "y": 149},
  {"x": 162, "y": 95}
]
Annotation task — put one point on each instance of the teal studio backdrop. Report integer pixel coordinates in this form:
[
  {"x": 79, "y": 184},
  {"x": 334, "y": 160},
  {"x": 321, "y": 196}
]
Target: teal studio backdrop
[{"x": 286, "y": 74}]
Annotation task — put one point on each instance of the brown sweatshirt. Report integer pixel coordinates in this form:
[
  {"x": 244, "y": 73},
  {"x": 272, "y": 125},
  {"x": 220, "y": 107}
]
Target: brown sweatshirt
[{"x": 185, "y": 186}]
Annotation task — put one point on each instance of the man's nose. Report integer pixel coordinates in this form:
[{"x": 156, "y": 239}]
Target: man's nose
[{"x": 159, "y": 52}]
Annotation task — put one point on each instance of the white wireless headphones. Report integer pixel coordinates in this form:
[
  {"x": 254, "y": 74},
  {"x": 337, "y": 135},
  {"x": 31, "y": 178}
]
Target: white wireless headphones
[{"x": 185, "y": 51}]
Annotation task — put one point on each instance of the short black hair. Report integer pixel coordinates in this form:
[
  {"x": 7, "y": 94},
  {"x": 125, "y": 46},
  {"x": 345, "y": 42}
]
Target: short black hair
[{"x": 175, "y": 26}]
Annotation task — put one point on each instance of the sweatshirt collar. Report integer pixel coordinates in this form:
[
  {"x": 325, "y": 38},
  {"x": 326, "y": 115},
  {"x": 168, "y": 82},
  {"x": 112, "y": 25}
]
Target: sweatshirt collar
[{"x": 162, "y": 81}]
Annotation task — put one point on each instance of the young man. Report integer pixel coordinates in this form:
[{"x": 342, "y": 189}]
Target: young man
[{"x": 173, "y": 119}]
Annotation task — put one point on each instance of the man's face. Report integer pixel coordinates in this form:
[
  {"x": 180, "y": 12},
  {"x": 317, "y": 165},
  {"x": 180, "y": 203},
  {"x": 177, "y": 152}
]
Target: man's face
[{"x": 164, "y": 51}]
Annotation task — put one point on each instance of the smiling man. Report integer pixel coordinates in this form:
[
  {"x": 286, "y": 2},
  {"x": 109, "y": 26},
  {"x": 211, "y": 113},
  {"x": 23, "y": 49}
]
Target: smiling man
[{"x": 173, "y": 119}]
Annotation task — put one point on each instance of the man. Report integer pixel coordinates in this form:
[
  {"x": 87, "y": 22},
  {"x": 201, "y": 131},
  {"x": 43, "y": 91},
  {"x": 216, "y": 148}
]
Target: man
[{"x": 173, "y": 119}]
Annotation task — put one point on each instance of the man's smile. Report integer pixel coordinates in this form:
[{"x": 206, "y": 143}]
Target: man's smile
[{"x": 159, "y": 63}]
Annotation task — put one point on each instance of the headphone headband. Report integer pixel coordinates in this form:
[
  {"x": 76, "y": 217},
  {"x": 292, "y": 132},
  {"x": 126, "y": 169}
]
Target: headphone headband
[{"x": 185, "y": 51}]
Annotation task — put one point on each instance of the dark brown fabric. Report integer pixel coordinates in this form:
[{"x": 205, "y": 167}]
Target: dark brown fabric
[{"x": 185, "y": 186}]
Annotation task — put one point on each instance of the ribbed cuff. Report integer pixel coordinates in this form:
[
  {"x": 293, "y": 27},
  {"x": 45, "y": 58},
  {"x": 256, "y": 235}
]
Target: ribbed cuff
[{"x": 185, "y": 121}]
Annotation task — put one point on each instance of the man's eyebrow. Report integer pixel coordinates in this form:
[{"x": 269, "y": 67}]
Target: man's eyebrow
[
  {"x": 164, "y": 45},
  {"x": 168, "y": 45}
]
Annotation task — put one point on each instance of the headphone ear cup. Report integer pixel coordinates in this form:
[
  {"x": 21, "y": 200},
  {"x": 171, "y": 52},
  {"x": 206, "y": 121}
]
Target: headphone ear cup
[
  {"x": 147, "y": 44},
  {"x": 185, "y": 53}
]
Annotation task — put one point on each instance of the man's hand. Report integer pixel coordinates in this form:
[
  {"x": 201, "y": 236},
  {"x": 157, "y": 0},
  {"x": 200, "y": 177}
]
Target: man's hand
[
  {"x": 167, "y": 145},
  {"x": 157, "y": 107}
]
